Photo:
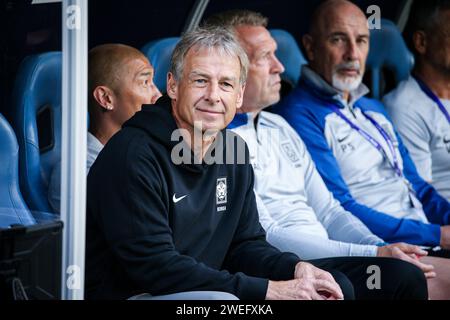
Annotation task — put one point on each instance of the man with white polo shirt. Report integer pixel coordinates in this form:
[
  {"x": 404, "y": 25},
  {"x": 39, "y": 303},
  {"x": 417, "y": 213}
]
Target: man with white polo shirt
[
  {"x": 120, "y": 81},
  {"x": 420, "y": 106}
]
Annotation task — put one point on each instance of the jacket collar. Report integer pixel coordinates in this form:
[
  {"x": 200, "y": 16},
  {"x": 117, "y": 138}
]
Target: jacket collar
[{"x": 325, "y": 91}]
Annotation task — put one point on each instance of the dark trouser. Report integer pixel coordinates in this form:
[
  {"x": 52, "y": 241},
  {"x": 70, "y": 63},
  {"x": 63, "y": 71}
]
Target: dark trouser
[
  {"x": 397, "y": 279},
  {"x": 442, "y": 253}
]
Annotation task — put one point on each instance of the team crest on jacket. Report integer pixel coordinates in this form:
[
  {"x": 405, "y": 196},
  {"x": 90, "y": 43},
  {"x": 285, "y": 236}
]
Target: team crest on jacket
[
  {"x": 289, "y": 150},
  {"x": 221, "y": 191}
]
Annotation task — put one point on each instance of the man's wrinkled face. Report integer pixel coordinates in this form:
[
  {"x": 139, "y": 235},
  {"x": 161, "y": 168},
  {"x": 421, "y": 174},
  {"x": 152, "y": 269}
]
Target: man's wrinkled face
[
  {"x": 339, "y": 49},
  {"x": 263, "y": 80},
  {"x": 134, "y": 88},
  {"x": 209, "y": 91}
]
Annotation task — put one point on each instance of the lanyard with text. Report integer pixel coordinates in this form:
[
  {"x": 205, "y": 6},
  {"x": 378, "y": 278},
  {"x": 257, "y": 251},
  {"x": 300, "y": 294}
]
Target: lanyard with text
[
  {"x": 372, "y": 140},
  {"x": 433, "y": 97}
]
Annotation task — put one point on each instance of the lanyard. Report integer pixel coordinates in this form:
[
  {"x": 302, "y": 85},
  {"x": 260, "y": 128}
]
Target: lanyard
[
  {"x": 372, "y": 140},
  {"x": 433, "y": 97}
]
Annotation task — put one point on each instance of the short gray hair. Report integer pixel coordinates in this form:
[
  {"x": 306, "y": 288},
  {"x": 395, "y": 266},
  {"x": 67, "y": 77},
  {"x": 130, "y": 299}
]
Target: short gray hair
[{"x": 219, "y": 39}]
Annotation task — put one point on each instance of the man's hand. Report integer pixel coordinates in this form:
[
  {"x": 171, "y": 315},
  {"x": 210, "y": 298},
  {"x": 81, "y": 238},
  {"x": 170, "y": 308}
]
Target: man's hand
[
  {"x": 306, "y": 289},
  {"x": 409, "y": 253},
  {"x": 304, "y": 270},
  {"x": 445, "y": 237},
  {"x": 310, "y": 283}
]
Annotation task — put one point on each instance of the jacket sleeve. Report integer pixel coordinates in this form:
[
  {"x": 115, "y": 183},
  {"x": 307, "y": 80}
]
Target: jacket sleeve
[
  {"x": 134, "y": 220},
  {"x": 386, "y": 227},
  {"x": 436, "y": 207},
  {"x": 308, "y": 246},
  {"x": 250, "y": 252}
]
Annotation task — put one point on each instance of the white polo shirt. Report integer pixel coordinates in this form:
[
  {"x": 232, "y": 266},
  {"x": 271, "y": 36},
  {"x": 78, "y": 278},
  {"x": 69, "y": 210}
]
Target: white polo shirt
[
  {"x": 425, "y": 131},
  {"x": 94, "y": 146}
]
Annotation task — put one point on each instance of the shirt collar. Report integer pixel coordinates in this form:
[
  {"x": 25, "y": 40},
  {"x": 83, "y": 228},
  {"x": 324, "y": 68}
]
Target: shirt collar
[
  {"x": 244, "y": 119},
  {"x": 325, "y": 88},
  {"x": 94, "y": 143}
]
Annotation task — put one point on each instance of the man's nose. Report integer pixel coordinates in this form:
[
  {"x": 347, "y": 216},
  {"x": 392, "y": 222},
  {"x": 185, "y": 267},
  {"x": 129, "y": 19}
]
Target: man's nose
[
  {"x": 352, "y": 51},
  {"x": 156, "y": 94},
  {"x": 156, "y": 91},
  {"x": 277, "y": 66},
  {"x": 212, "y": 93}
]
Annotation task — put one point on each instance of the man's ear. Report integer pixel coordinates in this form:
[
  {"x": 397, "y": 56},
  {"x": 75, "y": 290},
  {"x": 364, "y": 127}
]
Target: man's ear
[
  {"x": 172, "y": 86},
  {"x": 420, "y": 42},
  {"x": 104, "y": 97},
  {"x": 307, "y": 41},
  {"x": 240, "y": 98}
]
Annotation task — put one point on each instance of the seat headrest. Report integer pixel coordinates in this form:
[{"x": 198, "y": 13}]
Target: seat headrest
[
  {"x": 388, "y": 50},
  {"x": 159, "y": 53},
  {"x": 37, "y": 98}
]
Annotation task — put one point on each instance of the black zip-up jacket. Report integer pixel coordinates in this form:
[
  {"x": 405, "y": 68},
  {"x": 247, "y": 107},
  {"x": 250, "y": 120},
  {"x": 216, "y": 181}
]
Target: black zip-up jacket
[{"x": 160, "y": 228}]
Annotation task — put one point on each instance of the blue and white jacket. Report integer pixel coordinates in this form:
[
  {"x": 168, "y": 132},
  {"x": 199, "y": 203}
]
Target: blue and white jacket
[{"x": 394, "y": 208}]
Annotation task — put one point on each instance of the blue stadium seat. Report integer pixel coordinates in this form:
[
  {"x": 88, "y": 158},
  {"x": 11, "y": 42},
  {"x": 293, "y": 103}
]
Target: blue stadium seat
[
  {"x": 36, "y": 119},
  {"x": 388, "y": 50},
  {"x": 290, "y": 56},
  {"x": 13, "y": 209},
  {"x": 159, "y": 53}
]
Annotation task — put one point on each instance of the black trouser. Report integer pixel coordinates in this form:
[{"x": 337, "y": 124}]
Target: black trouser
[
  {"x": 398, "y": 279},
  {"x": 442, "y": 253}
]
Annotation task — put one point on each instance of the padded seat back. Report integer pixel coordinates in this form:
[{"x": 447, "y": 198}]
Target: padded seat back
[
  {"x": 388, "y": 51},
  {"x": 36, "y": 114},
  {"x": 13, "y": 209}
]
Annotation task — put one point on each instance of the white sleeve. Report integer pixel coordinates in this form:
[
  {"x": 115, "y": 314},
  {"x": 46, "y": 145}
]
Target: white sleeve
[
  {"x": 340, "y": 224},
  {"x": 306, "y": 246},
  {"x": 416, "y": 136}
]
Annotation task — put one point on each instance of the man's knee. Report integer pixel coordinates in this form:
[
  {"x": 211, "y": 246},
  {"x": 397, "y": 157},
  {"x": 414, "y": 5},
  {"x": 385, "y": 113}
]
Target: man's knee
[
  {"x": 193, "y": 295},
  {"x": 216, "y": 295},
  {"x": 410, "y": 280},
  {"x": 344, "y": 283},
  {"x": 203, "y": 295}
]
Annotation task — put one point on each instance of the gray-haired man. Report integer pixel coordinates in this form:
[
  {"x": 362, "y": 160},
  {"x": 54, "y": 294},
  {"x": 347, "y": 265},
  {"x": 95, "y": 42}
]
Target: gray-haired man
[{"x": 165, "y": 229}]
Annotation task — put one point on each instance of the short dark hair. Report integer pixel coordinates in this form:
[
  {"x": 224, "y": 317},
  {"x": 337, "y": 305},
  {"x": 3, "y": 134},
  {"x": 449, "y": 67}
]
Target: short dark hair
[
  {"x": 233, "y": 18},
  {"x": 424, "y": 16},
  {"x": 103, "y": 61}
]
